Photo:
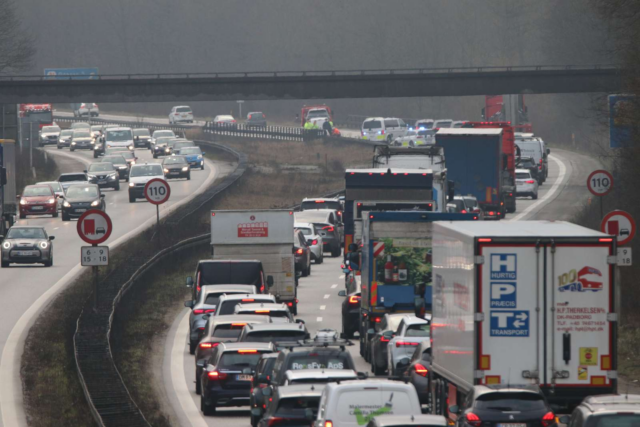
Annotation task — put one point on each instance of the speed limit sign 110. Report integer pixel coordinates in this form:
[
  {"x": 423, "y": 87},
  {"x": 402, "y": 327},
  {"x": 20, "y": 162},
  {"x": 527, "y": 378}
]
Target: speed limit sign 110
[
  {"x": 157, "y": 191},
  {"x": 600, "y": 183}
]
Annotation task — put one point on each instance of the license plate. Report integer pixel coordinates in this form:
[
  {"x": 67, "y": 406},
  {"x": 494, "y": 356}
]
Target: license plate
[
  {"x": 25, "y": 253},
  {"x": 102, "y": 181},
  {"x": 250, "y": 378},
  {"x": 174, "y": 173},
  {"x": 37, "y": 208},
  {"x": 81, "y": 210},
  {"x": 512, "y": 424}
]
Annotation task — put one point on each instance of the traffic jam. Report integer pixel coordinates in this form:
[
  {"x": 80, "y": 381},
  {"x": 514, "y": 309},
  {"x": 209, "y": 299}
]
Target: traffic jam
[{"x": 461, "y": 315}]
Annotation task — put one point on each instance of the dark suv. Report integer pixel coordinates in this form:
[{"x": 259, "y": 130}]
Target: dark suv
[
  {"x": 261, "y": 380},
  {"x": 229, "y": 272},
  {"x": 608, "y": 410},
  {"x": 495, "y": 405},
  {"x": 530, "y": 164},
  {"x": 301, "y": 253},
  {"x": 257, "y": 120}
]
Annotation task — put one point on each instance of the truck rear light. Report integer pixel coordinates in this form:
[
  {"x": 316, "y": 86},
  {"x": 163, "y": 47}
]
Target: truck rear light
[
  {"x": 208, "y": 344},
  {"x": 605, "y": 240},
  {"x": 406, "y": 344},
  {"x": 474, "y": 420},
  {"x": 354, "y": 299},
  {"x": 215, "y": 375},
  {"x": 485, "y": 240},
  {"x": 548, "y": 419},
  {"x": 529, "y": 181},
  {"x": 421, "y": 370},
  {"x": 463, "y": 211}
]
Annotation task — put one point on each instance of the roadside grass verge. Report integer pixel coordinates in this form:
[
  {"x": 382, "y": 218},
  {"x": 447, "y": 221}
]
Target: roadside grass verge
[{"x": 45, "y": 168}]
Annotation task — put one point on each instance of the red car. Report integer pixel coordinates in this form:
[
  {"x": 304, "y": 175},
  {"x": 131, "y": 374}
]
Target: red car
[{"x": 38, "y": 200}]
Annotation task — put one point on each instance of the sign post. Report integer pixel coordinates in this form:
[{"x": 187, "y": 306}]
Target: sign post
[
  {"x": 619, "y": 224},
  {"x": 157, "y": 192},
  {"x": 94, "y": 227},
  {"x": 600, "y": 183}
]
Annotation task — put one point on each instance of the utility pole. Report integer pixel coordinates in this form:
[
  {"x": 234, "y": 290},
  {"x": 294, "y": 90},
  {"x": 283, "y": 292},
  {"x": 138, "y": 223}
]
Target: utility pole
[{"x": 240, "y": 107}]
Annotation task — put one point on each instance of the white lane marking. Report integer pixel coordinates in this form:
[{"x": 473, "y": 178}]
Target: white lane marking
[
  {"x": 341, "y": 277},
  {"x": 319, "y": 319},
  {"x": 110, "y": 203},
  {"x": 11, "y": 402},
  {"x": 548, "y": 197},
  {"x": 322, "y": 307},
  {"x": 326, "y": 296},
  {"x": 56, "y": 228},
  {"x": 334, "y": 286},
  {"x": 178, "y": 380}
]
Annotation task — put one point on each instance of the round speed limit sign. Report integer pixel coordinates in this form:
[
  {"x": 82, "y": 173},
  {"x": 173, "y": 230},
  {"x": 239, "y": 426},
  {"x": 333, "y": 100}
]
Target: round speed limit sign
[
  {"x": 600, "y": 182},
  {"x": 157, "y": 191}
]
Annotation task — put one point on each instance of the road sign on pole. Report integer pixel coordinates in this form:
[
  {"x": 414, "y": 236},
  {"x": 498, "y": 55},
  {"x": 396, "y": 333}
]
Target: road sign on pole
[
  {"x": 619, "y": 224},
  {"x": 625, "y": 258},
  {"x": 600, "y": 183},
  {"x": 71, "y": 73},
  {"x": 94, "y": 256},
  {"x": 157, "y": 191},
  {"x": 94, "y": 227}
]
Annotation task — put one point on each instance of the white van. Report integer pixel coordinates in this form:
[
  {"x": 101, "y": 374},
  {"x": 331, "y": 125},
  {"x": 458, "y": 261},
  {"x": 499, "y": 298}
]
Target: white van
[
  {"x": 443, "y": 123},
  {"x": 383, "y": 129},
  {"x": 355, "y": 403}
]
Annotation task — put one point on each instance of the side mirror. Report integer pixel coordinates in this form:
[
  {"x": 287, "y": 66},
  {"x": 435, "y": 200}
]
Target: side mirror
[
  {"x": 548, "y": 150},
  {"x": 189, "y": 282},
  {"x": 102, "y": 196},
  {"x": 454, "y": 409},
  {"x": 362, "y": 375},
  {"x": 564, "y": 419},
  {"x": 270, "y": 281},
  {"x": 50, "y": 237},
  {"x": 204, "y": 152},
  {"x": 201, "y": 363},
  {"x": 371, "y": 331},
  {"x": 85, "y": 171},
  {"x": 300, "y": 321},
  {"x": 189, "y": 304},
  {"x": 308, "y": 414},
  {"x": 342, "y": 293},
  {"x": 353, "y": 247}
]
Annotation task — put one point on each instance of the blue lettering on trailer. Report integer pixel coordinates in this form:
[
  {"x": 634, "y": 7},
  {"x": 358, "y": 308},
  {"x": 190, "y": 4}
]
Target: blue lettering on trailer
[
  {"x": 509, "y": 323},
  {"x": 504, "y": 266},
  {"x": 503, "y": 295}
]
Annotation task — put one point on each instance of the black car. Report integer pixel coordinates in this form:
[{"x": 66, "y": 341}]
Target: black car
[
  {"x": 294, "y": 405},
  {"x": 418, "y": 371},
  {"x": 351, "y": 307},
  {"x": 81, "y": 140},
  {"x": 256, "y": 120},
  {"x": 176, "y": 167},
  {"x": 161, "y": 147},
  {"x": 227, "y": 375},
  {"x": 141, "y": 138},
  {"x": 605, "y": 410},
  {"x": 103, "y": 174},
  {"x": 496, "y": 405},
  {"x": 229, "y": 272},
  {"x": 302, "y": 253},
  {"x": 530, "y": 164},
  {"x": 261, "y": 380},
  {"x": 80, "y": 198},
  {"x": 119, "y": 163}
]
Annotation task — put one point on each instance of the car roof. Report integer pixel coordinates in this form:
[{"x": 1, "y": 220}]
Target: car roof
[
  {"x": 233, "y": 346},
  {"x": 373, "y": 118},
  {"x": 300, "y": 390},
  {"x": 414, "y": 320},
  {"x": 227, "y": 261},
  {"x": 233, "y": 318},
  {"x": 273, "y": 306},
  {"x": 270, "y": 355},
  {"x": 321, "y": 373},
  {"x": 612, "y": 402},
  {"x": 275, "y": 327},
  {"x": 28, "y": 226},
  {"x": 244, "y": 296},
  {"x": 330, "y": 199},
  {"x": 395, "y": 315},
  {"x": 410, "y": 420},
  {"x": 361, "y": 384},
  {"x": 72, "y": 173},
  {"x": 507, "y": 388},
  {"x": 228, "y": 288},
  {"x": 522, "y": 171},
  {"x": 181, "y": 106}
]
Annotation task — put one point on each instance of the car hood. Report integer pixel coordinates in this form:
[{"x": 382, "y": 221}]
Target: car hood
[
  {"x": 191, "y": 157},
  {"x": 32, "y": 199},
  {"x": 143, "y": 179},
  {"x": 175, "y": 166},
  {"x": 66, "y": 184},
  {"x": 26, "y": 242},
  {"x": 84, "y": 138},
  {"x": 49, "y": 133},
  {"x": 81, "y": 199}
]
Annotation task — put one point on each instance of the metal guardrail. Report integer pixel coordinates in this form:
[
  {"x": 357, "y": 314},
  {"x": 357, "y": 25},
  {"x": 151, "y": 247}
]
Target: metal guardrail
[
  {"x": 109, "y": 400},
  {"x": 266, "y": 132},
  {"x": 290, "y": 74}
]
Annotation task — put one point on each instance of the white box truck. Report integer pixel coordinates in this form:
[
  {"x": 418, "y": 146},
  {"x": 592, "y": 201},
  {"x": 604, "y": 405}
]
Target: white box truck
[
  {"x": 264, "y": 235},
  {"x": 529, "y": 302}
]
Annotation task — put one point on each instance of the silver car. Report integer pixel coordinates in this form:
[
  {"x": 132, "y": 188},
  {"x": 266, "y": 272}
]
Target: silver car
[
  {"x": 26, "y": 245},
  {"x": 49, "y": 135},
  {"x": 526, "y": 185},
  {"x": 314, "y": 240},
  {"x": 411, "y": 332}
]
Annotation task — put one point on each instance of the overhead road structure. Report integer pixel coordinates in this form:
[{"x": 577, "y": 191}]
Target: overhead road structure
[{"x": 420, "y": 82}]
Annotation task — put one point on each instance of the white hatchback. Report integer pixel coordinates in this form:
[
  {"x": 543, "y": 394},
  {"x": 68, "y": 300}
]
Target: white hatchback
[
  {"x": 181, "y": 114},
  {"x": 526, "y": 185}
]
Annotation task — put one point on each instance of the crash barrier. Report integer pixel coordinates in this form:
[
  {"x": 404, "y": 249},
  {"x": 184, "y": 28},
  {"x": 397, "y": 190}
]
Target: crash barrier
[
  {"x": 178, "y": 129},
  {"x": 109, "y": 400},
  {"x": 265, "y": 132},
  {"x": 354, "y": 121}
]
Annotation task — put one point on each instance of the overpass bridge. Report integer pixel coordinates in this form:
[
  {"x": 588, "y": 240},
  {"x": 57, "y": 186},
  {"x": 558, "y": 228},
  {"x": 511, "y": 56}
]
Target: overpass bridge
[{"x": 280, "y": 85}]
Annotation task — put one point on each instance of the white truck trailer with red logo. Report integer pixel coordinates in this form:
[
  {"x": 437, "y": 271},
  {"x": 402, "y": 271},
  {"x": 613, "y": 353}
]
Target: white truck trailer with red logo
[
  {"x": 529, "y": 302},
  {"x": 264, "y": 235}
]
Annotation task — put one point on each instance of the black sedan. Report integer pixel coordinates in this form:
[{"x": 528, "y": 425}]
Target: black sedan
[
  {"x": 176, "y": 167},
  {"x": 351, "y": 306},
  {"x": 302, "y": 253},
  {"x": 103, "y": 174},
  {"x": 119, "y": 163},
  {"x": 530, "y": 164},
  {"x": 80, "y": 198},
  {"x": 418, "y": 371},
  {"x": 26, "y": 245}
]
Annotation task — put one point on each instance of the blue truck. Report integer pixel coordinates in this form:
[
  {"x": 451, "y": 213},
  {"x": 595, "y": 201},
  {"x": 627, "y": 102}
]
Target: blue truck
[
  {"x": 477, "y": 167},
  {"x": 395, "y": 265}
]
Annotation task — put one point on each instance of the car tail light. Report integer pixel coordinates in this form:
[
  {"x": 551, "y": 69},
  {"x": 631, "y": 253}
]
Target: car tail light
[
  {"x": 290, "y": 304},
  {"x": 328, "y": 423},
  {"x": 239, "y": 324},
  {"x": 510, "y": 194},
  {"x": 529, "y": 181},
  {"x": 354, "y": 299},
  {"x": 204, "y": 310},
  {"x": 248, "y": 300},
  {"x": 463, "y": 211},
  {"x": 215, "y": 375},
  {"x": 384, "y": 339},
  {"x": 406, "y": 344},
  {"x": 492, "y": 213},
  {"x": 262, "y": 311},
  {"x": 299, "y": 251},
  {"x": 208, "y": 344},
  {"x": 314, "y": 242},
  {"x": 473, "y": 419},
  {"x": 548, "y": 419},
  {"x": 421, "y": 370},
  {"x": 328, "y": 228},
  {"x": 247, "y": 351},
  {"x": 377, "y": 319}
]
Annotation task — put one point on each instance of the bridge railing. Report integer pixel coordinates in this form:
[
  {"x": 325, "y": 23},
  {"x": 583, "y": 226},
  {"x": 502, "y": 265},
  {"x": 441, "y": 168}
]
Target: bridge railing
[{"x": 264, "y": 132}]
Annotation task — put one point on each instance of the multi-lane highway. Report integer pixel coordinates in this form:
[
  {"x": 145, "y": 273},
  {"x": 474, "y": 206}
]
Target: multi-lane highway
[
  {"x": 320, "y": 306},
  {"x": 26, "y": 290}
]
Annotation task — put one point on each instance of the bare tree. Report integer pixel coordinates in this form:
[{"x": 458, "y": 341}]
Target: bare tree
[{"x": 16, "y": 45}]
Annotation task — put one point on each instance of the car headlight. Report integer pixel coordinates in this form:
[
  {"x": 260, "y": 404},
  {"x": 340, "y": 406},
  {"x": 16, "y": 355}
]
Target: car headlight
[
  {"x": 167, "y": 150},
  {"x": 130, "y": 147},
  {"x": 23, "y": 202},
  {"x": 93, "y": 141},
  {"x": 91, "y": 176},
  {"x": 166, "y": 170},
  {"x": 44, "y": 245},
  {"x": 131, "y": 184},
  {"x": 98, "y": 146},
  {"x": 73, "y": 143},
  {"x": 186, "y": 168},
  {"x": 112, "y": 176},
  {"x": 51, "y": 201},
  {"x": 66, "y": 204},
  {"x": 95, "y": 203},
  {"x": 6, "y": 245},
  {"x": 199, "y": 157},
  {"x": 133, "y": 162}
]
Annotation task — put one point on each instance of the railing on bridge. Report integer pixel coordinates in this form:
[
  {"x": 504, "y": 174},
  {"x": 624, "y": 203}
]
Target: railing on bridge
[{"x": 264, "y": 132}]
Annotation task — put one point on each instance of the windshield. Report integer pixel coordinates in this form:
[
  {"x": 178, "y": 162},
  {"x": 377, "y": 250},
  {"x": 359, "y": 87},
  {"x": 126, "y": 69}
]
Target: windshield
[
  {"x": 37, "y": 191},
  {"x": 313, "y": 360},
  {"x": 296, "y": 406},
  {"x": 128, "y": 155},
  {"x": 50, "y": 129},
  {"x": 311, "y": 216},
  {"x": 515, "y": 401},
  {"x": 67, "y": 132},
  {"x": 232, "y": 330},
  {"x": 522, "y": 175},
  {"x": 614, "y": 420},
  {"x": 372, "y": 124},
  {"x": 146, "y": 170},
  {"x": 471, "y": 202},
  {"x": 119, "y": 135},
  {"x": 426, "y": 125},
  {"x": 176, "y": 160},
  {"x": 274, "y": 336},
  {"x": 74, "y": 177},
  {"x": 239, "y": 361},
  {"x": 355, "y": 404},
  {"x": 418, "y": 330},
  {"x": 321, "y": 204},
  {"x": 183, "y": 110},
  {"x": 229, "y": 306},
  {"x": 305, "y": 231},
  {"x": 116, "y": 160},
  {"x": 166, "y": 133},
  {"x": 53, "y": 184},
  {"x": 317, "y": 113},
  {"x": 81, "y": 134},
  {"x": 164, "y": 140},
  {"x": 78, "y": 191},
  {"x": 444, "y": 124},
  {"x": 26, "y": 233},
  {"x": 101, "y": 167},
  {"x": 141, "y": 132}
]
